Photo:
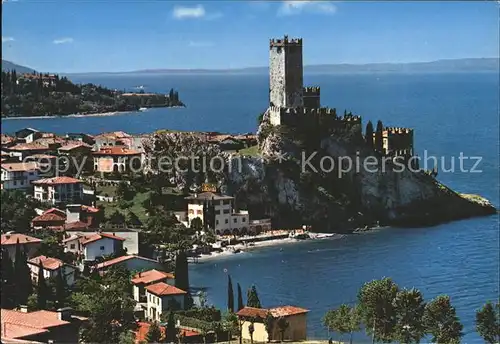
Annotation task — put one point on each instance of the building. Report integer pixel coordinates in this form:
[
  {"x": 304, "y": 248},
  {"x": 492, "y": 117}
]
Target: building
[
  {"x": 295, "y": 317},
  {"x": 75, "y": 218},
  {"x": 225, "y": 219},
  {"x": 51, "y": 268},
  {"x": 131, "y": 263},
  {"x": 23, "y": 150},
  {"x": 50, "y": 219},
  {"x": 285, "y": 72},
  {"x": 188, "y": 334},
  {"x": 27, "y": 135},
  {"x": 93, "y": 246},
  {"x": 85, "y": 138},
  {"x": 117, "y": 159},
  {"x": 29, "y": 245},
  {"x": 75, "y": 148},
  {"x": 396, "y": 141},
  {"x": 41, "y": 326},
  {"x": 144, "y": 278},
  {"x": 131, "y": 236},
  {"x": 18, "y": 175},
  {"x": 162, "y": 297},
  {"x": 58, "y": 190}
]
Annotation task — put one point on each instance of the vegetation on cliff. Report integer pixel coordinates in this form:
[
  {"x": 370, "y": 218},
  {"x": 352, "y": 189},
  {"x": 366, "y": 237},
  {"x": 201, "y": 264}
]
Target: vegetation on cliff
[{"x": 48, "y": 95}]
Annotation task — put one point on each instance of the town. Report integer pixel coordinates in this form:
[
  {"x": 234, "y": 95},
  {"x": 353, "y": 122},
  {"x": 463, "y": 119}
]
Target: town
[{"x": 96, "y": 247}]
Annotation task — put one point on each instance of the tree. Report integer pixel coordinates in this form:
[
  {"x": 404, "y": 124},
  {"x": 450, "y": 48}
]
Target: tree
[
  {"x": 230, "y": 324},
  {"x": 269, "y": 325},
  {"x": 251, "y": 330},
  {"x": 379, "y": 145},
  {"x": 369, "y": 134},
  {"x": 241, "y": 304},
  {"x": 17, "y": 211},
  {"x": 182, "y": 275},
  {"x": 410, "y": 306},
  {"x": 253, "y": 298},
  {"x": 441, "y": 321},
  {"x": 154, "y": 334},
  {"x": 377, "y": 310},
  {"x": 171, "y": 330},
  {"x": 22, "y": 279},
  {"x": 230, "y": 294},
  {"x": 488, "y": 322},
  {"x": 7, "y": 286},
  {"x": 60, "y": 289},
  {"x": 132, "y": 220},
  {"x": 116, "y": 218},
  {"x": 282, "y": 325},
  {"x": 343, "y": 320},
  {"x": 196, "y": 224},
  {"x": 42, "y": 291}
]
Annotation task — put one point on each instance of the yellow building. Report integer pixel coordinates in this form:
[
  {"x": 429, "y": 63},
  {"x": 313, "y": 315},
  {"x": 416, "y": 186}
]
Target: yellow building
[{"x": 294, "y": 318}]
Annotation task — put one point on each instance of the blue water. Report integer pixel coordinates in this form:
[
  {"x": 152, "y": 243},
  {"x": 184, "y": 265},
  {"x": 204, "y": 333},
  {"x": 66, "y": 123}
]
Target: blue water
[{"x": 451, "y": 113}]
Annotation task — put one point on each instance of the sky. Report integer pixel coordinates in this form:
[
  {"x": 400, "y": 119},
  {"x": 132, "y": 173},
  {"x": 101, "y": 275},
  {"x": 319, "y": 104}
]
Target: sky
[{"x": 124, "y": 35}]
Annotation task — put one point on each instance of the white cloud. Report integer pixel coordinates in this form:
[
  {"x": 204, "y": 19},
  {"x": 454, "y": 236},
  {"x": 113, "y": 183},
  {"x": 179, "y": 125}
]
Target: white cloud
[
  {"x": 7, "y": 39},
  {"x": 181, "y": 12},
  {"x": 194, "y": 12},
  {"x": 299, "y": 6},
  {"x": 65, "y": 40},
  {"x": 200, "y": 44}
]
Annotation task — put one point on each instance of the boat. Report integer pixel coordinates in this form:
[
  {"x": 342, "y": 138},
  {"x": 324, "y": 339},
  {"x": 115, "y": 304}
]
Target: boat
[
  {"x": 142, "y": 109},
  {"x": 299, "y": 236}
]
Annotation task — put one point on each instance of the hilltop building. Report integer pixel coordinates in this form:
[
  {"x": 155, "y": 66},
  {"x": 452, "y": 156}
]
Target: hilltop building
[{"x": 397, "y": 141}]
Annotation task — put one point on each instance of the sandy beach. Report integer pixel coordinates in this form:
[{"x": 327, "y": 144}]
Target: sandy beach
[{"x": 274, "y": 242}]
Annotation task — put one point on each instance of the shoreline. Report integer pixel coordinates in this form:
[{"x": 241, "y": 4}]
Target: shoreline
[
  {"x": 99, "y": 114},
  {"x": 262, "y": 244}
]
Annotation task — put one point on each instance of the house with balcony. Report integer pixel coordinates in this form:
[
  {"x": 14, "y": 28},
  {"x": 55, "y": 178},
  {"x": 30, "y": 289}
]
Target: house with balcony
[
  {"x": 162, "y": 297},
  {"x": 144, "y": 278},
  {"x": 58, "y": 190},
  {"x": 51, "y": 268},
  {"x": 18, "y": 175}
]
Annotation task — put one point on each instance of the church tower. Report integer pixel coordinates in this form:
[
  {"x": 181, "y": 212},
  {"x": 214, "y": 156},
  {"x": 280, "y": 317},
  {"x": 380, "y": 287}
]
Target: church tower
[{"x": 286, "y": 73}]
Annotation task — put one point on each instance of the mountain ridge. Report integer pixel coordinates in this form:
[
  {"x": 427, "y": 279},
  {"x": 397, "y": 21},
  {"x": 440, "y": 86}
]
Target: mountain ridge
[{"x": 486, "y": 64}]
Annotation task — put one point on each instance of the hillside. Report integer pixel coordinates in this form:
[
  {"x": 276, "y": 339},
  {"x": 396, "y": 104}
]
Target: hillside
[{"x": 8, "y": 66}]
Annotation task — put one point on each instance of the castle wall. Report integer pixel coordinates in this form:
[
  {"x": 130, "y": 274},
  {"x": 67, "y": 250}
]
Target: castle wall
[
  {"x": 311, "y": 96},
  {"x": 285, "y": 72},
  {"x": 397, "y": 141}
]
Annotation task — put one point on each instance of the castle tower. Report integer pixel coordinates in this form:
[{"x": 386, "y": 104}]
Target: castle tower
[{"x": 285, "y": 72}]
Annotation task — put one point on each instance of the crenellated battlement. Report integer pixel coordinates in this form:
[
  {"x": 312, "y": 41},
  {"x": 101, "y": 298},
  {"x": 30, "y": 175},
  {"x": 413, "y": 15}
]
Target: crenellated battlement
[
  {"x": 278, "y": 42},
  {"x": 397, "y": 130},
  {"x": 310, "y": 116}
]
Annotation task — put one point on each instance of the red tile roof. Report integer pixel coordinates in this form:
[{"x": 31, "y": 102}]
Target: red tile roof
[
  {"x": 121, "y": 259},
  {"x": 55, "y": 211},
  {"x": 13, "y": 331},
  {"x": 252, "y": 312},
  {"x": 20, "y": 166},
  {"x": 73, "y": 145},
  {"x": 89, "y": 209},
  {"x": 151, "y": 276},
  {"x": 57, "y": 180},
  {"x": 49, "y": 217},
  {"x": 116, "y": 150},
  {"x": 162, "y": 289},
  {"x": 6, "y": 139},
  {"x": 25, "y": 324},
  {"x": 284, "y": 311},
  {"x": 29, "y": 146},
  {"x": 143, "y": 329},
  {"x": 11, "y": 239},
  {"x": 77, "y": 225},
  {"x": 87, "y": 239},
  {"x": 48, "y": 263},
  {"x": 113, "y": 135}
]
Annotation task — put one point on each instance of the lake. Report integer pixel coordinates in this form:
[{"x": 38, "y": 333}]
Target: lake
[{"x": 451, "y": 113}]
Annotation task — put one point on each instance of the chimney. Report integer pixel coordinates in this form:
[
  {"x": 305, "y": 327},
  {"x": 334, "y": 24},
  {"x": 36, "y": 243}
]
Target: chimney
[
  {"x": 64, "y": 313},
  {"x": 23, "y": 308}
]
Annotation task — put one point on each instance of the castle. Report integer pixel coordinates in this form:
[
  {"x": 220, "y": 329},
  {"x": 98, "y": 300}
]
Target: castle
[{"x": 292, "y": 104}]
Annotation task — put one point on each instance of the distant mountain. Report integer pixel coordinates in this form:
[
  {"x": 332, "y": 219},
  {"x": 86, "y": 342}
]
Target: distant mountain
[
  {"x": 452, "y": 65},
  {"x": 7, "y": 65}
]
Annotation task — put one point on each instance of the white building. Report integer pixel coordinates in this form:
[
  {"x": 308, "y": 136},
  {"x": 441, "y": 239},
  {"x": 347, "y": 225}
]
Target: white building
[
  {"x": 227, "y": 220},
  {"x": 58, "y": 190},
  {"x": 144, "y": 278},
  {"x": 18, "y": 175},
  {"x": 161, "y": 297},
  {"x": 131, "y": 243},
  {"x": 93, "y": 246},
  {"x": 51, "y": 268}
]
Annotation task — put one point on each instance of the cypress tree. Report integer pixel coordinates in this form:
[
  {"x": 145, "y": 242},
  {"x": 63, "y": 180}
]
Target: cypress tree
[
  {"x": 241, "y": 304},
  {"x": 171, "y": 331},
  {"x": 22, "y": 275},
  {"x": 182, "y": 276},
  {"x": 230, "y": 294},
  {"x": 42, "y": 290},
  {"x": 60, "y": 293},
  {"x": 369, "y": 134},
  {"x": 253, "y": 298},
  {"x": 86, "y": 271},
  {"x": 7, "y": 281},
  {"x": 379, "y": 146}
]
